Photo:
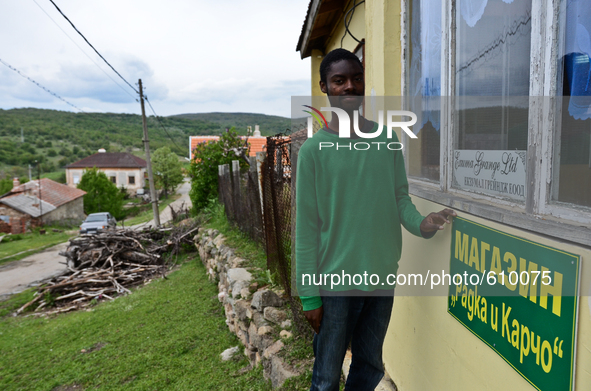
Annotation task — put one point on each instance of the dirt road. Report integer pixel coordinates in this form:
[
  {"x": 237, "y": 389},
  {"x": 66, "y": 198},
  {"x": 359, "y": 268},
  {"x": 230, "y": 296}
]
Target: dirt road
[{"x": 19, "y": 275}]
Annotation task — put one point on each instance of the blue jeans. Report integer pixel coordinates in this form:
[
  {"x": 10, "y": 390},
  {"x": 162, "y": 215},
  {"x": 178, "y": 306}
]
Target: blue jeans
[{"x": 363, "y": 322}]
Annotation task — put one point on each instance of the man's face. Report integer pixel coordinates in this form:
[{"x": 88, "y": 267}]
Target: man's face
[{"x": 345, "y": 85}]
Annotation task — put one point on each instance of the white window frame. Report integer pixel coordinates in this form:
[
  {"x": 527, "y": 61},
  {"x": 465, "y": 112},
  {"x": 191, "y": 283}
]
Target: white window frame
[{"x": 539, "y": 213}]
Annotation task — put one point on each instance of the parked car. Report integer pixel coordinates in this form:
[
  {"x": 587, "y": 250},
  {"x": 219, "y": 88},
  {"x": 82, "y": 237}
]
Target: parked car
[{"x": 96, "y": 222}]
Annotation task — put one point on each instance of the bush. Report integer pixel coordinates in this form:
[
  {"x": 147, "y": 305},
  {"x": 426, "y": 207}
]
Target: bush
[
  {"x": 204, "y": 167},
  {"x": 102, "y": 195}
]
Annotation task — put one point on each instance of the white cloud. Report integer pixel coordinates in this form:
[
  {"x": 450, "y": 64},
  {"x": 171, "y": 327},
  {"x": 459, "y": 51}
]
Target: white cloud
[{"x": 192, "y": 55}]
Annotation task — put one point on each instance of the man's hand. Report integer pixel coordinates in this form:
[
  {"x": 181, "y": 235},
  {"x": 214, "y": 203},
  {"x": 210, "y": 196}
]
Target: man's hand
[
  {"x": 434, "y": 221},
  {"x": 314, "y": 317}
]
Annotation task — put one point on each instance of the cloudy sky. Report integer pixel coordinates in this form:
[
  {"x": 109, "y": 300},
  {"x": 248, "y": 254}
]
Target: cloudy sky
[{"x": 193, "y": 56}]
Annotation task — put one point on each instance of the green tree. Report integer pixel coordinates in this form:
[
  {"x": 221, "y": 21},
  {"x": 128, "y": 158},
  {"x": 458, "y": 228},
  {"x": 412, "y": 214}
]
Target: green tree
[
  {"x": 167, "y": 170},
  {"x": 102, "y": 195},
  {"x": 5, "y": 185},
  {"x": 204, "y": 166}
]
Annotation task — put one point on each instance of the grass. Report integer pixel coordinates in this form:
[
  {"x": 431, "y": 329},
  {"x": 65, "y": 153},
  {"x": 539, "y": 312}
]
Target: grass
[
  {"x": 167, "y": 336},
  {"x": 31, "y": 243},
  {"x": 245, "y": 247},
  {"x": 148, "y": 215}
]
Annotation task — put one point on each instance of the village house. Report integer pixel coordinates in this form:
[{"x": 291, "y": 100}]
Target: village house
[
  {"x": 256, "y": 141},
  {"x": 123, "y": 169},
  {"x": 40, "y": 202}
]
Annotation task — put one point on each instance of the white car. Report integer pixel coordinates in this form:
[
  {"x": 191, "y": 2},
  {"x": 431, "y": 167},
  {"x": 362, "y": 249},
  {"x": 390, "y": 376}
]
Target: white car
[{"x": 96, "y": 222}]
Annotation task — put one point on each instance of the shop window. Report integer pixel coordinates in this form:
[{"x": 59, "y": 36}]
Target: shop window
[
  {"x": 424, "y": 87},
  {"x": 492, "y": 78},
  {"x": 482, "y": 77}
]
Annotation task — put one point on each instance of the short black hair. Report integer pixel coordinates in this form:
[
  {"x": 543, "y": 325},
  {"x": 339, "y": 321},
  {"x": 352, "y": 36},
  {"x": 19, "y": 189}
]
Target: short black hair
[{"x": 336, "y": 56}]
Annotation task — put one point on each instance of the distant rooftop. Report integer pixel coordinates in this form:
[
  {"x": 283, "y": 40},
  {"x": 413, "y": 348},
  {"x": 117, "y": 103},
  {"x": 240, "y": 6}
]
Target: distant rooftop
[
  {"x": 27, "y": 204},
  {"x": 54, "y": 193},
  {"x": 257, "y": 144},
  {"x": 110, "y": 160}
]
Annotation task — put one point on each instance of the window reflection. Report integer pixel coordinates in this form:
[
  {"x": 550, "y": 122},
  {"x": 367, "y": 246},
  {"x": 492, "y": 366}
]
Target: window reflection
[
  {"x": 573, "y": 182},
  {"x": 493, "y": 61}
]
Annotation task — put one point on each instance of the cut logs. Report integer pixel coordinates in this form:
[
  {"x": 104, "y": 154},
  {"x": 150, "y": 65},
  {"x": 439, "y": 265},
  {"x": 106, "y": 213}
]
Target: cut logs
[{"x": 103, "y": 266}]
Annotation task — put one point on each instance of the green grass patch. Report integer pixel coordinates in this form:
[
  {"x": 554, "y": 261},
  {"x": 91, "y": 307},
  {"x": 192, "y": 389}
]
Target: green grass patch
[
  {"x": 14, "y": 302},
  {"x": 245, "y": 247},
  {"x": 58, "y": 176},
  {"x": 166, "y": 335},
  {"x": 30, "y": 243},
  {"x": 148, "y": 215}
]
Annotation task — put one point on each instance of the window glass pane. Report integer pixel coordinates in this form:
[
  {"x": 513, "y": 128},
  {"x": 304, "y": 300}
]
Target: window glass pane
[
  {"x": 424, "y": 87},
  {"x": 492, "y": 68},
  {"x": 573, "y": 180}
]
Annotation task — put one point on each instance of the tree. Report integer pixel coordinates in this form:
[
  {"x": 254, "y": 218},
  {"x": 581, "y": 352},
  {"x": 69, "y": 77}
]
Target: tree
[
  {"x": 102, "y": 195},
  {"x": 204, "y": 166},
  {"x": 5, "y": 185},
  {"x": 167, "y": 170}
]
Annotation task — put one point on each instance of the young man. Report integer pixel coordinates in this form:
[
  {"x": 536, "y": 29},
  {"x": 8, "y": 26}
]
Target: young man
[{"x": 351, "y": 202}]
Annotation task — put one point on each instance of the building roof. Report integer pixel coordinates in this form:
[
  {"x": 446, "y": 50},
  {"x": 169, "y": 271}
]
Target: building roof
[
  {"x": 53, "y": 193},
  {"x": 321, "y": 18},
  {"x": 110, "y": 160},
  {"x": 27, "y": 204},
  {"x": 257, "y": 144}
]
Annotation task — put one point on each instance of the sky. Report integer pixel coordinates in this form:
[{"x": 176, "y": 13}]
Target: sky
[{"x": 193, "y": 56}]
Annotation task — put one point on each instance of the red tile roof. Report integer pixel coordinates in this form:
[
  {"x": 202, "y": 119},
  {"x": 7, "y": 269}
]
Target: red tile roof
[
  {"x": 52, "y": 192},
  {"x": 257, "y": 144},
  {"x": 110, "y": 160}
]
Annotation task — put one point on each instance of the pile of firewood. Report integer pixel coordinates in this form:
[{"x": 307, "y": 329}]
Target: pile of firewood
[{"x": 105, "y": 265}]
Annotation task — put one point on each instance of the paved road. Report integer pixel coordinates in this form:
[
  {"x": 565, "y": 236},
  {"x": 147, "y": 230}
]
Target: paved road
[
  {"x": 165, "y": 214},
  {"x": 18, "y": 276}
]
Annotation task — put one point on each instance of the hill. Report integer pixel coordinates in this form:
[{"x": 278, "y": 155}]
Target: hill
[
  {"x": 269, "y": 124},
  {"x": 57, "y": 138}
]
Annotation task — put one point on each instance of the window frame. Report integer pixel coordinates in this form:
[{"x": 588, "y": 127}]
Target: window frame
[{"x": 539, "y": 213}]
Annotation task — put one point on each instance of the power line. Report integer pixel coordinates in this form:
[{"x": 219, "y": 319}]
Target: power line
[
  {"x": 40, "y": 86},
  {"x": 96, "y": 51},
  {"x": 86, "y": 54},
  {"x": 162, "y": 125}
]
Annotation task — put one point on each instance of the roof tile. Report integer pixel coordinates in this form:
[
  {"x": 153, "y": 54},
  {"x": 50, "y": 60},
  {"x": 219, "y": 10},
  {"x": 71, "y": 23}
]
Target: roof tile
[{"x": 110, "y": 160}]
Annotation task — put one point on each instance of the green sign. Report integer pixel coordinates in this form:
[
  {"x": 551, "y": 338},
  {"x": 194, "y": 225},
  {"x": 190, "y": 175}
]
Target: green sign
[{"x": 520, "y": 298}]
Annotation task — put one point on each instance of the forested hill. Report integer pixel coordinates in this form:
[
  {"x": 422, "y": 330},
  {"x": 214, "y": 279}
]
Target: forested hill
[
  {"x": 269, "y": 124},
  {"x": 57, "y": 138}
]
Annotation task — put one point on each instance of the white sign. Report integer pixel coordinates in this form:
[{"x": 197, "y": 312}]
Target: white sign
[{"x": 498, "y": 173}]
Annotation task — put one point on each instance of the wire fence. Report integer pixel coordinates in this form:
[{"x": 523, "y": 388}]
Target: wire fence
[
  {"x": 239, "y": 193},
  {"x": 279, "y": 215}
]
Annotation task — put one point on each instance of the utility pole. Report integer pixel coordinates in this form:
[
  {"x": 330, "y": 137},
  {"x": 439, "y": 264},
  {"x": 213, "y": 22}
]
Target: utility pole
[{"x": 150, "y": 176}]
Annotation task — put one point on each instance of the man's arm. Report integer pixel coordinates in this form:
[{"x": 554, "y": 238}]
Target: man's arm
[{"x": 307, "y": 239}]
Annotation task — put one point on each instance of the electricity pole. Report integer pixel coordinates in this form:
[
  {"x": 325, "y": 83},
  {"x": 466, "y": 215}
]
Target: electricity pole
[{"x": 150, "y": 176}]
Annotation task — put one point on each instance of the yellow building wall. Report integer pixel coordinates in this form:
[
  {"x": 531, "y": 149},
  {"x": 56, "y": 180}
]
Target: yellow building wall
[
  {"x": 383, "y": 48},
  {"x": 427, "y": 349}
]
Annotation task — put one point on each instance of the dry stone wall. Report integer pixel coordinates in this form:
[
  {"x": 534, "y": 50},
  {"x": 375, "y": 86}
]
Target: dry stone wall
[{"x": 256, "y": 316}]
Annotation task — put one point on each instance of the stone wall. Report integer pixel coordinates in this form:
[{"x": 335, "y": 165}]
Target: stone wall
[{"x": 256, "y": 315}]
